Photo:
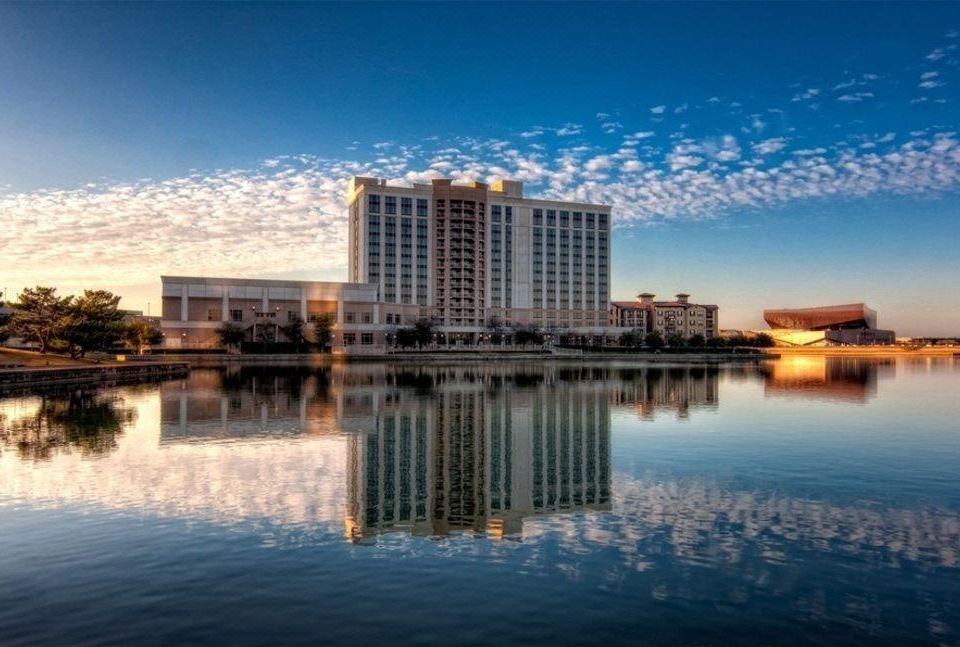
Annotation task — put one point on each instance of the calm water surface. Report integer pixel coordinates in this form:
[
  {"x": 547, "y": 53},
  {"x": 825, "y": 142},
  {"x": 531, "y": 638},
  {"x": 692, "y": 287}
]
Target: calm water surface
[{"x": 807, "y": 500}]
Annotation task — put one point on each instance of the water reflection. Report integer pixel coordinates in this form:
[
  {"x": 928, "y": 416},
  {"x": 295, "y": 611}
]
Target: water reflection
[
  {"x": 850, "y": 379},
  {"x": 471, "y": 457},
  {"x": 369, "y": 449},
  {"x": 625, "y": 490},
  {"x": 83, "y": 420}
]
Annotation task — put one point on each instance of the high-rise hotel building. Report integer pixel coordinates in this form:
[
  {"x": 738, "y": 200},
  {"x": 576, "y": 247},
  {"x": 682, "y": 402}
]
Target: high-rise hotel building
[{"x": 467, "y": 254}]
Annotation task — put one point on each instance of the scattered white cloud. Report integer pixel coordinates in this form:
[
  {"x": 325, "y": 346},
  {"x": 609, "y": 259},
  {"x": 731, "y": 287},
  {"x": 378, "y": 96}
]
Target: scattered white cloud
[
  {"x": 569, "y": 129},
  {"x": 769, "y": 146},
  {"x": 658, "y": 110},
  {"x": 713, "y": 100},
  {"x": 807, "y": 152},
  {"x": 681, "y": 108},
  {"x": 226, "y": 222},
  {"x": 809, "y": 93},
  {"x": 929, "y": 85},
  {"x": 940, "y": 52},
  {"x": 855, "y": 97}
]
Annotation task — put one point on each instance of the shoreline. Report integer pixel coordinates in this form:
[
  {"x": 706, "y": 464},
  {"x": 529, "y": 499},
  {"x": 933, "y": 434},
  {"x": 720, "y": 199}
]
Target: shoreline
[
  {"x": 37, "y": 377},
  {"x": 431, "y": 357},
  {"x": 869, "y": 351}
]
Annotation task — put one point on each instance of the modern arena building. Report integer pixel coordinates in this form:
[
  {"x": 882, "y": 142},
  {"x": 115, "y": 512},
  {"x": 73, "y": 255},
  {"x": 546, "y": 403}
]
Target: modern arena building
[{"x": 852, "y": 324}]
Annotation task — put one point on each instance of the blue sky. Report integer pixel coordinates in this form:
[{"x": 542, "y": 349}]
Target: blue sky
[{"x": 756, "y": 155}]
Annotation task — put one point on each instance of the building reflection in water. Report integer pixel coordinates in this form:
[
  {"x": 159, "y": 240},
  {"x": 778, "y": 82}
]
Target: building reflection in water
[
  {"x": 478, "y": 456},
  {"x": 679, "y": 389},
  {"x": 439, "y": 449},
  {"x": 850, "y": 379},
  {"x": 372, "y": 448}
]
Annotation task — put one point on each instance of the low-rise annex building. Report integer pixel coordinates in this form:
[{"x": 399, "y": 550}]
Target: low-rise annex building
[
  {"x": 195, "y": 307},
  {"x": 666, "y": 317}
]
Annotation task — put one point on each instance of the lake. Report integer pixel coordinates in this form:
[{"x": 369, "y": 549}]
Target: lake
[{"x": 802, "y": 500}]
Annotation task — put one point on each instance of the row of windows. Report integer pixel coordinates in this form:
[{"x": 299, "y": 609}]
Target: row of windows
[
  {"x": 350, "y": 339},
  {"x": 390, "y": 205},
  {"x": 568, "y": 219}
]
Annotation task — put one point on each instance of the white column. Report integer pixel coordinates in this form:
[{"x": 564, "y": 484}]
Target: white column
[
  {"x": 340, "y": 309},
  {"x": 303, "y": 303},
  {"x": 225, "y": 307},
  {"x": 265, "y": 302},
  {"x": 184, "y": 302},
  {"x": 376, "y": 313}
]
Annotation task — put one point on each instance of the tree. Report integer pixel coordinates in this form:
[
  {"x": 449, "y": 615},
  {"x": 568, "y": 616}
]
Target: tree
[
  {"x": 763, "y": 340},
  {"x": 39, "y": 315},
  {"x": 529, "y": 334},
  {"x": 696, "y": 341},
  {"x": 676, "y": 340},
  {"x": 5, "y": 326},
  {"x": 93, "y": 322},
  {"x": 423, "y": 331},
  {"x": 141, "y": 334},
  {"x": 631, "y": 338},
  {"x": 495, "y": 325},
  {"x": 736, "y": 340},
  {"x": 323, "y": 330},
  {"x": 296, "y": 333},
  {"x": 230, "y": 335},
  {"x": 653, "y": 340},
  {"x": 406, "y": 337}
]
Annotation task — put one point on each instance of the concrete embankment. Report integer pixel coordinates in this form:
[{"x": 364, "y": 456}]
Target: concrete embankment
[
  {"x": 19, "y": 379},
  {"x": 433, "y": 357}
]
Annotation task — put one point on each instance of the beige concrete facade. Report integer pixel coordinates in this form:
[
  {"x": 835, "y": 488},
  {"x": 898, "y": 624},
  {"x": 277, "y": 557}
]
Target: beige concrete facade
[
  {"x": 194, "y": 307},
  {"x": 466, "y": 254}
]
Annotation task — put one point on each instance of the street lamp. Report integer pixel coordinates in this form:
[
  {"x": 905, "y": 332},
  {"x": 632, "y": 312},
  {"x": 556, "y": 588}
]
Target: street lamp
[{"x": 276, "y": 321}]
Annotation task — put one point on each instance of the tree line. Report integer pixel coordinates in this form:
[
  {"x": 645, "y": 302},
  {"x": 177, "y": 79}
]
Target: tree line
[
  {"x": 637, "y": 338},
  {"x": 75, "y": 325},
  {"x": 232, "y": 336}
]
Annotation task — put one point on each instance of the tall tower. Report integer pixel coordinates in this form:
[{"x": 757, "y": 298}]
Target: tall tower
[{"x": 459, "y": 267}]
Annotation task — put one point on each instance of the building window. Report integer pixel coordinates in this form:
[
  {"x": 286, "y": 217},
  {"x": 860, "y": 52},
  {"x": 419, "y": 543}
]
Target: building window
[
  {"x": 213, "y": 314},
  {"x": 292, "y": 315},
  {"x": 349, "y": 339},
  {"x": 406, "y": 206},
  {"x": 373, "y": 203},
  {"x": 390, "y": 205},
  {"x": 421, "y": 207},
  {"x": 236, "y": 315},
  {"x": 349, "y": 317},
  {"x": 538, "y": 216},
  {"x": 366, "y": 339},
  {"x": 367, "y": 317}
]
